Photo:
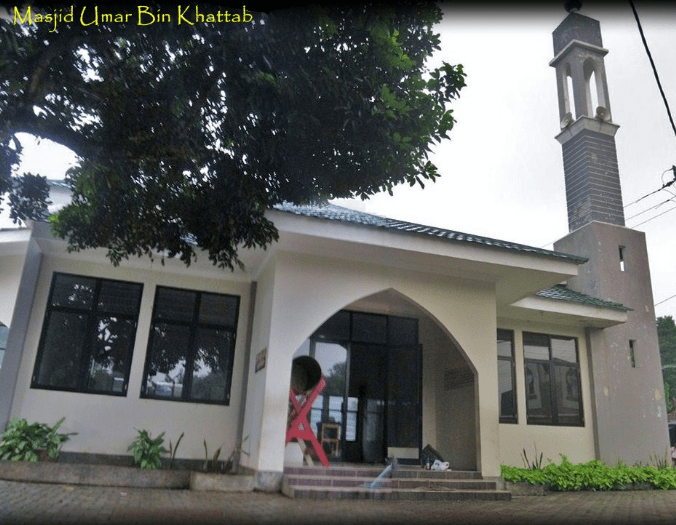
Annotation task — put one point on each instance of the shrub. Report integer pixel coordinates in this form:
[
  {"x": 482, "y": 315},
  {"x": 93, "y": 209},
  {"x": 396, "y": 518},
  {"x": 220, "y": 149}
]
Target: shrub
[
  {"x": 146, "y": 451},
  {"x": 593, "y": 475},
  {"x": 23, "y": 442}
]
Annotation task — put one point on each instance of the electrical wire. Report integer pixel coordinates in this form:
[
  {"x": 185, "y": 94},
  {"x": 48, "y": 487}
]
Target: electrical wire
[
  {"x": 672, "y": 199},
  {"x": 665, "y": 300},
  {"x": 652, "y": 64},
  {"x": 664, "y": 186},
  {"x": 655, "y": 217}
]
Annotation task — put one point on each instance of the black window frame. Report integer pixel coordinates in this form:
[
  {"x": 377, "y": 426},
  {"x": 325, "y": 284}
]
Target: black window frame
[
  {"x": 508, "y": 335},
  {"x": 92, "y": 313},
  {"x": 556, "y": 418},
  {"x": 194, "y": 325},
  {"x": 3, "y": 338}
]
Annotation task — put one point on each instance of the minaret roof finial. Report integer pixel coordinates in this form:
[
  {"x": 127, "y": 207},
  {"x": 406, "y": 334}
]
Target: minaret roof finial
[{"x": 573, "y": 5}]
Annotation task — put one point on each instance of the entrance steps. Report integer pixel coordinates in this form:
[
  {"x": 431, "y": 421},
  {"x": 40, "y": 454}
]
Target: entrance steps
[{"x": 404, "y": 483}]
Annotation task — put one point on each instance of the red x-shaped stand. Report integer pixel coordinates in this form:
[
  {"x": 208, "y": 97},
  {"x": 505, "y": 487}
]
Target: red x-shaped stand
[{"x": 299, "y": 427}]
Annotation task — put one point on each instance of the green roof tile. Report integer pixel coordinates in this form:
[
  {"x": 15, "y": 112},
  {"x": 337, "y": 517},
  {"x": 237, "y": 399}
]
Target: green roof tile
[
  {"x": 338, "y": 213},
  {"x": 561, "y": 292}
]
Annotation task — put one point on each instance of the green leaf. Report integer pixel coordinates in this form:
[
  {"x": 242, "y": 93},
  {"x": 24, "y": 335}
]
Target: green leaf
[{"x": 295, "y": 107}]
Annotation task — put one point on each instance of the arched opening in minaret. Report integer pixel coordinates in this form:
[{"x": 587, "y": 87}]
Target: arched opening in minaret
[
  {"x": 596, "y": 106},
  {"x": 569, "y": 96}
]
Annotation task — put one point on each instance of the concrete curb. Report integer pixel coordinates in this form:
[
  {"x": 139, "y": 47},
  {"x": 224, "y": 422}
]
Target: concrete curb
[
  {"x": 523, "y": 488},
  {"x": 221, "y": 482},
  {"x": 118, "y": 476}
]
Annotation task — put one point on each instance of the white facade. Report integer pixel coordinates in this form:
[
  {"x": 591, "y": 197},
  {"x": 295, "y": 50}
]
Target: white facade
[{"x": 459, "y": 292}]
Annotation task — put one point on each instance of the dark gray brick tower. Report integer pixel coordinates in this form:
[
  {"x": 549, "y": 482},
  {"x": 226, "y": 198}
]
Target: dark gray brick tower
[
  {"x": 593, "y": 187},
  {"x": 627, "y": 397}
]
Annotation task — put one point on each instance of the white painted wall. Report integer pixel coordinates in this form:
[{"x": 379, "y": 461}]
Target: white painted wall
[
  {"x": 575, "y": 442},
  {"x": 308, "y": 289},
  {"x": 296, "y": 293},
  {"x": 11, "y": 267},
  {"x": 107, "y": 424},
  {"x": 260, "y": 341}
]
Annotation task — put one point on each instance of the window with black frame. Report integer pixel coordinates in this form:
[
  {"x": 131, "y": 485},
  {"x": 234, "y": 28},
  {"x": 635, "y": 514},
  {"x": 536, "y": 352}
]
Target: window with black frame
[
  {"x": 191, "y": 346},
  {"x": 553, "y": 394},
  {"x": 506, "y": 380},
  {"x": 4, "y": 334},
  {"x": 88, "y": 335}
]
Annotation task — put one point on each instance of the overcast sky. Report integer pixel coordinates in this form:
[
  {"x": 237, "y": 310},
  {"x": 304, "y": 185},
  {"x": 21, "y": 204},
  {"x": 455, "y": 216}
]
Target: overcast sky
[{"x": 502, "y": 171}]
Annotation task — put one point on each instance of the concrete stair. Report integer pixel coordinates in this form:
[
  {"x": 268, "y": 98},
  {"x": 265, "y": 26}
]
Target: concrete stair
[{"x": 404, "y": 483}]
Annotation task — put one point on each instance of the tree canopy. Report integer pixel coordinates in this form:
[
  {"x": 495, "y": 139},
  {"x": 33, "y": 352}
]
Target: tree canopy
[
  {"x": 666, "y": 333},
  {"x": 187, "y": 130}
]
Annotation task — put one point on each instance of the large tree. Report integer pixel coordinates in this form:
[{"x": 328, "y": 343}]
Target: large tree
[
  {"x": 187, "y": 131},
  {"x": 666, "y": 332}
]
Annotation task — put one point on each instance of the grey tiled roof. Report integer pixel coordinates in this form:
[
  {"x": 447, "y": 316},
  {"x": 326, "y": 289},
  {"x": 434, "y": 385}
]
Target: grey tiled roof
[
  {"x": 563, "y": 293},
  {"x": 338, "y": 213}
]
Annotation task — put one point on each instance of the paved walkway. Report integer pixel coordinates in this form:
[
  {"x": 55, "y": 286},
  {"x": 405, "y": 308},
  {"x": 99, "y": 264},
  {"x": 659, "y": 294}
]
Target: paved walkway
[{"x": 35, "y": 503}]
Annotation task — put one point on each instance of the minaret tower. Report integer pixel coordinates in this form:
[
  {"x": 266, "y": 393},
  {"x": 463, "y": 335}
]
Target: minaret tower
[
  {"x": 626, "y": 379},
  {"x": 588, "y": 134}
]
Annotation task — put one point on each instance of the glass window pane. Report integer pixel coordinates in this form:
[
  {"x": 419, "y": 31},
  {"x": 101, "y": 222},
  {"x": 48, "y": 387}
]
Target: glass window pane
[
  {"x": 332, "y": 359},
  {"x": 538, "y": 393},
  {"x": 506, "y": 388},
  {"x": 369, "y": 328},
  {"x": 316, "y": 416},
  {"x": 176, "y": 305},
  {"x": 505, "y": 346},
  {"x": 218, "y": 309},
  {"x": 337, "y": 328},
  {"x": 536, "y": 346},
  {"x": 402, "y": 331},
  {"x": 212, "y": 365},
  {"x": 120, "y": 297},
  {"x": 73, "y": 291},
  {"x": 564, "y": 350},
  {"x": 61, "y": 353},
  {"x": 335, "y": 403},
  {"x": 111, "y": 352},
  {"x": 351, "y": 427},
  {"x": 166, "y": 360},
  {"x": 4, "y": 334},
  {"x": 567, "y": 392}
]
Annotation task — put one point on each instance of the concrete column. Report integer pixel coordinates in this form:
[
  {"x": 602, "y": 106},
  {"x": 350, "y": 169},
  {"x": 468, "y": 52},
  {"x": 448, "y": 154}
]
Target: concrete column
[{"x": 18, "y": 329}]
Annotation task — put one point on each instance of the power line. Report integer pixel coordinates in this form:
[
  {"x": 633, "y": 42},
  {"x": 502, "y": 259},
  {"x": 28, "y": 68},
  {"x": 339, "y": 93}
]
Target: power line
[
  {"x": 664, "y": 186},
  {"x": 668, "y": 298},
  {"x": 652, "y": 64},
  {"x": 651, "y": 208},
  {"x": 655, "y": 217}
]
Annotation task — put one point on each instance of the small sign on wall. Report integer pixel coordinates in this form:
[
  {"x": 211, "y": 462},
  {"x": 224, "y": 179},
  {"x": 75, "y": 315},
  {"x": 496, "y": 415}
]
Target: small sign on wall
[{"x": 260, "y": 359}]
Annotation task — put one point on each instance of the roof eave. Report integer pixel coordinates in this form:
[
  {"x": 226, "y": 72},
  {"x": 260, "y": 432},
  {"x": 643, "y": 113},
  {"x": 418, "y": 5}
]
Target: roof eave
[{"x": 568, "y": 312}]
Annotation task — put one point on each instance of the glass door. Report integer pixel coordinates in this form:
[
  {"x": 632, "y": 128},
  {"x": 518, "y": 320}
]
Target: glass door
[
  {"x": 368, "y": 389},
  {"x": 332, "y": 418},
  {"x": 370, "y": 408}
]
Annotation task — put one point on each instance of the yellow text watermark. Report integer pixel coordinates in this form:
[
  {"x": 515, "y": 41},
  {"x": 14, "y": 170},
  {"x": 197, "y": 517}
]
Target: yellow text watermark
[{"x": 142, "y": 16}]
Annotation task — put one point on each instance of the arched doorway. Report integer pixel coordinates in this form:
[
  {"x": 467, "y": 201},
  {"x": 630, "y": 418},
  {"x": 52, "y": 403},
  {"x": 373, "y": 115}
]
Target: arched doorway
[{"x": 395, "y": 382}]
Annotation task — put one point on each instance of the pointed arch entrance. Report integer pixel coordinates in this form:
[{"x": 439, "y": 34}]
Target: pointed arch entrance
[{"x": 380, "y": 357}]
